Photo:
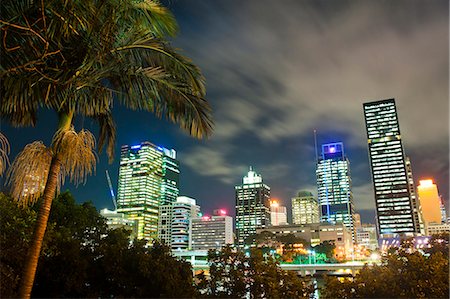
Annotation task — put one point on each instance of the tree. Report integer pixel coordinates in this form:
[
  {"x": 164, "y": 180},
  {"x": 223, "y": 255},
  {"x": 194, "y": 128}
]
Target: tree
[
  {"x": 15, "y": 224},
  {"x": 402, "y": 275},
  {"x": 76, "y": 57},
  {"x": 327, "y": 248},
  {"x": 82, "y": 258},
  {"x": 235, "y": 275}
]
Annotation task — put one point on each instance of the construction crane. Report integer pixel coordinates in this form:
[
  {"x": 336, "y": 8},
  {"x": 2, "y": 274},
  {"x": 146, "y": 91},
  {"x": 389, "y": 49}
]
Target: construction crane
[{"x": 113, "y": 197}]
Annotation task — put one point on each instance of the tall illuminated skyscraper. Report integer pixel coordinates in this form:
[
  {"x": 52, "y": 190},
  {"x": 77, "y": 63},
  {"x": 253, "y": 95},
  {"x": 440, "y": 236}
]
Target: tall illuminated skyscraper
[
  {"x": 305, "y": 208},
  {"x": 148, "y": 178},
  {"x": 334, "y": 186},
  {"x": 394, "y": 203},
  {"x": 252, "y": 206},
  {"x": 429, "y": 201}
]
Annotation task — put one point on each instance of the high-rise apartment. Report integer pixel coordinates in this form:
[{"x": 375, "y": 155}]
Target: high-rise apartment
[
  {"x": 252, "y": 206},
  {"x": 211, "y": 232},
  {"x": 173, "y": 222},
  {"x": 334, "y": 186},
  {"x": 429, "y": 201},
  {"x": 278, "y": 214},
  {"x": 305, "y": 208},
  {"x": 394, "y": 205},
  {"x": 148, "y": 178}
]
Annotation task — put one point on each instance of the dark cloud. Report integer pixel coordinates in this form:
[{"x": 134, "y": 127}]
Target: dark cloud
[{"x": 277, "y": 70}]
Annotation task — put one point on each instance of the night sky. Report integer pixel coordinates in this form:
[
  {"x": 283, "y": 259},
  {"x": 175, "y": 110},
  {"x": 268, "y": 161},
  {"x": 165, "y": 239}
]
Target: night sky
[{"x": 277, "y": 70}]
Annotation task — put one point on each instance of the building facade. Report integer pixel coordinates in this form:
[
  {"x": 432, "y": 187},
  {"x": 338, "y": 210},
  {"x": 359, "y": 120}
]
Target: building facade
[
  {"x": 278, "y": 214},
  {"x": 438, "y": 228},
  {"x": 334, "y": 186},
  {"x": 419, "y": 225},
  {"x": 211, "y": 232},
  {"x": 430, "y": 202},
  {"x": 305, "y": 208},
  {"x": 148, "y": 178},
  {"x": 394, "y": 206},
  {"x": 173, "y": 222},
  {"x": 115, "y": 220},
  {"x": 366, "y": 235},
  {"x": 315, "y": 233},
  {"x": 252, "y": 206}
]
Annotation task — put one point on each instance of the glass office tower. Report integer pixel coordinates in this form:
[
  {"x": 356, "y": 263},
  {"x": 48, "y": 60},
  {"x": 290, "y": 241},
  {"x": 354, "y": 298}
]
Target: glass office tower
[
  {"x": 395, "y": 209},
  {"x": 305, "y": 208},
  {"x": 334, "y": 184},
  {"x": 252, "y": 206},
  {"x": 148, "y": 178}
]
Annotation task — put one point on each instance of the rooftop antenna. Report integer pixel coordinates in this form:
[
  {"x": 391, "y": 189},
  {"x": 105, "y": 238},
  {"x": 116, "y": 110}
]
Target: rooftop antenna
[
  {"x": 315, "y": 145},
  {"x": 113, "y": 197}
]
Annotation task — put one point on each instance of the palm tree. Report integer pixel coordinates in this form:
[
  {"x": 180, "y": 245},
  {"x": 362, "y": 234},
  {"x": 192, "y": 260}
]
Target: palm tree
[
  {"x": 77, "y": 57},
  {"x": 4, "y": 151}
]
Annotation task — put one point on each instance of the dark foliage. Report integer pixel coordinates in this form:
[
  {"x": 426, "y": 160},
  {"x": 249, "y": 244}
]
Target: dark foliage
[{"x": 82, "y": 258}]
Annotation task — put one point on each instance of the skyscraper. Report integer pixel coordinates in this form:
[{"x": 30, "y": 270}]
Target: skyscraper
[
  {"x": 252, "y": 206},
  {"x": 395, "y": 211},
  {"x": 148, "y": 178},
  {"x": 278, "y": 214},
  {"x": 173, "y": 222},
  {"x": 305, "y": 208},
  {"x": 429, "y": 201},
  {"x": 334, "y": 186}
]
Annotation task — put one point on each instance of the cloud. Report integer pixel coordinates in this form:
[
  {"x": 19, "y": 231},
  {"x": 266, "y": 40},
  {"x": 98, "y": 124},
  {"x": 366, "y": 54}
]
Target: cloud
[{"x": 278, "y": 70}]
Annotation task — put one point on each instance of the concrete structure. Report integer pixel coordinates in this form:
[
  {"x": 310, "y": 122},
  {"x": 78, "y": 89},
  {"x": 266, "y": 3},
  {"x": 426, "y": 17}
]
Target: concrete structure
[
  {"x": 443, "y": 211},
  {"x": 305, "y": 208},
  {"x": 252, "y": 206},
  {"x": 334, "y": 186},
  {"x": 148, "y": 178},
  {"x": 417, "y": 210},
  {"x": 430, "y": 202},
  {"x": 211, "y": 232},
  {"x": 394, "y": 205},
  {"x": 316, "y": 233},
  {"x": 357, "y": 220},
  {"x": 366, "y": 235},
  {"x": 173, "y": 223},
  {"x": 278, "y": 214},
  {"x": 438, "y": 228},
  {"x": 116, "y": 220}
]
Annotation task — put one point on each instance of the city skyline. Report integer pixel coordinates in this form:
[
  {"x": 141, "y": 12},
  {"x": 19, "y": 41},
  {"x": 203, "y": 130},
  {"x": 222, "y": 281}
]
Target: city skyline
[{"x": 272, "y": 83}]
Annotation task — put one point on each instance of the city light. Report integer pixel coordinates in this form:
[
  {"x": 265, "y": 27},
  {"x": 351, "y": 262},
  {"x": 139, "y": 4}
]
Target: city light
[{"x": 426, "y": 183}]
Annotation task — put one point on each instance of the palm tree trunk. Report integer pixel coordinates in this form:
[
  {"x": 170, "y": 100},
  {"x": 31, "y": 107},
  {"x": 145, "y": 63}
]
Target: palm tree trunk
[
  {"x": 41, "y": 225},
  {"x": 29, "y": 271}
]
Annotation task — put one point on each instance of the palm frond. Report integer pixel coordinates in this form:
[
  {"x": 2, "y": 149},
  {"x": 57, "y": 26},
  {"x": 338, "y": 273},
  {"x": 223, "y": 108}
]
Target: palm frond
[
  {"x": 4, "y": 152},
  {"x": 76, "y": 153},
  {"x": 107, "y": 135},
  {"x": 28, "y": 173}
]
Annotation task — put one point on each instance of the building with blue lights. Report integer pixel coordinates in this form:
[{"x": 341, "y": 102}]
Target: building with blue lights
[
  {"x": 334, "y": 186},
  {"x": 398, "y": 212},
  {"x": 148, "y": 178}
]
